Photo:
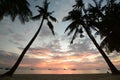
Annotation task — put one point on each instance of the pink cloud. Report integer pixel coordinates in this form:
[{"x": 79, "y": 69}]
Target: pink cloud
[{"x": 79, "y": 60}]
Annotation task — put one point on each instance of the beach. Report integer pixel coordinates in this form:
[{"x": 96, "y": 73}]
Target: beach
[{"x": 63, "y": 77}]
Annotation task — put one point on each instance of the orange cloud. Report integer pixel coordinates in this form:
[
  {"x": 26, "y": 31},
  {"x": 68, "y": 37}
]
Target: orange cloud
[
  {"x": 68, "y": 60},
  {"x": 24, "y": 65}
]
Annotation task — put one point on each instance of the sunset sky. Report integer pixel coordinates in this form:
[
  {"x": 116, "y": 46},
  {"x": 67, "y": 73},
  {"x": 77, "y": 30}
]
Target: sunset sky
[{"x": 49, "y": 51}]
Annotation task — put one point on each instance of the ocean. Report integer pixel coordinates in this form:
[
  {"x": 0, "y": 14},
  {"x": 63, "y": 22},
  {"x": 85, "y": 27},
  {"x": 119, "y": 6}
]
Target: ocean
[{"x": 64, "y": 71}]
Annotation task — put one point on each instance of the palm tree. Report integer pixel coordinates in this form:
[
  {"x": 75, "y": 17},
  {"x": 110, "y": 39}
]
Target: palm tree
[
  {"x": 45, "y": 15},
  {"x": 82, "y": 20},
  {"x": 109, "y": 26},
  {"x": 15, "y": 8}
]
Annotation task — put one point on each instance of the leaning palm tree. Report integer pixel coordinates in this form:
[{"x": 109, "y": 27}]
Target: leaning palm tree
[
  {"x": 15, "y": 8},
  {"x": 81, "y": 20},
  {"x": 110, "y": 27},
  {"x": 45, "y": 15}
]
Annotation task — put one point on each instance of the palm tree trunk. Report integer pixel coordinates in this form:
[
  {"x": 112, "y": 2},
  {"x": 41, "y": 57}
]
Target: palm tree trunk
[
  {"x": 13, "y": 69},
  {"x": 111, "y": 66}
]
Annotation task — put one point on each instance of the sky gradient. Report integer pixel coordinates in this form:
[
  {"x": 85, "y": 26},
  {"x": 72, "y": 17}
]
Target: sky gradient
[{"x": 49, "y": 51}]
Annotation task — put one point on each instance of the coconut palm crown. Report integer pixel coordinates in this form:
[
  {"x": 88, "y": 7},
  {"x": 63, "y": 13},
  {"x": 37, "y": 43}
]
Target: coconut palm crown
[
  {"x": 43, "y": 12},
  {"x": 88, "y": 20}
]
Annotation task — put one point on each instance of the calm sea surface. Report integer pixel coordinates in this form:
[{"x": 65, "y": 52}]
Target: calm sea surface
[{"x": 57, "y": 71}]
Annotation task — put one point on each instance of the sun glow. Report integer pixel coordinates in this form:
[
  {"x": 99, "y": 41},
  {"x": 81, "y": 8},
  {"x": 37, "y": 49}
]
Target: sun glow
[
  {"x": 64, "y": 46},
  {"x": 66, "y": 67}
]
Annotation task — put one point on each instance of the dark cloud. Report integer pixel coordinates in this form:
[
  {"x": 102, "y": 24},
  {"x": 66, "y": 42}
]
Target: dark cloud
[
  {"x": 18, "y": 37},
  {"x": 5, "y": 28},
  {"x": 58, "y": 57},
  {"x": 30, "y": 62},
  {"x": 15, "y": 42},
  {"x": 84, "y": 45},
  {"x": 38, "y": 50},
  {"x": 7, "y": 59},
  {"x": 54, "y": 46},
  {"x": 6, "y": 31},
  {"x": 10, "y": 31}
]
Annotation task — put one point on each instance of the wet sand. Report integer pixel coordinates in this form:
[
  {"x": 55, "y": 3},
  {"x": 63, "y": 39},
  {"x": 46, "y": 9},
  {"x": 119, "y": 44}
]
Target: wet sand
[{"x": 64, "y": 77}]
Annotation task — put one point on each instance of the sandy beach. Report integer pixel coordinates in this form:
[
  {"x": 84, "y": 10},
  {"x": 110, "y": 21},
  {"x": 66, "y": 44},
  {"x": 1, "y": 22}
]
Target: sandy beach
[{"x": 64, "y": 77}]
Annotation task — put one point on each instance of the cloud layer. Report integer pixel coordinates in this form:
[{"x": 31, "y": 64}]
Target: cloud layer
[{"x": 49, "y": 51}]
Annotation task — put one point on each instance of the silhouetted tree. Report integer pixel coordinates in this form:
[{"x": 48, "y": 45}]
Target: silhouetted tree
[
  {"x": 109, "y": 26},
  {"x": 45, "y": 15},
  {"x": 15, "y": 8},
  {"x": 84, "y": 19}
]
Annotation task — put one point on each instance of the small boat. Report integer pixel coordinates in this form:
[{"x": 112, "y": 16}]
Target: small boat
[
  {"x": 97, "y": 69},
  {"x": 73, "y": 69},
  {"x": 49, "y": 69},
  {"x": 32, "y": 69},
  {"x": 7, "y": 68}
]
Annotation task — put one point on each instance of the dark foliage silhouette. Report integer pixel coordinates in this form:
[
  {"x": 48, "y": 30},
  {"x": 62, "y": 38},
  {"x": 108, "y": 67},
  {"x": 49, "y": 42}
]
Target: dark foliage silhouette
[
  {"x": 88, "y": 20},
  {"x": 109, "y": 26},
  {"x": 14, "y": 8},
  {"x": 44, "y": 15}
]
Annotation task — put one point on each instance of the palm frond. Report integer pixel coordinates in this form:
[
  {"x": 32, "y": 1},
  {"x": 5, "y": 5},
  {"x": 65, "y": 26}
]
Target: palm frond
[
  {"x": 94, "y": 28},
  {"x": 90, "y": 5},
  {"x": 96, "y": 4},
  {"x": 71, "y": 26},
  {"x": 81, "y": 30},
  {"x": 97, "y": 33},
  {"x": 90, "y": 8},
  {"x": 53, "y": 18},
  {"x": 66, "y": 18},
  {"x": 51, "y": 27},
  {"x": 74, "y": 36},
  {"x": 79, "y": 4},
  {"x": 72, "y": 29},
  {"x": 103, "y": 8},
  {"x": 102, "y": 45},
  {"x": 100, "y": 3},
  {"x": 37, "y": 17},
  {"x": 41, "y": 8},
  {"x": 105, "y": 44}
]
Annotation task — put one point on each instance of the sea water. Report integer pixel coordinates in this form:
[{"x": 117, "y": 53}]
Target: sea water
[{"x": 50, "y": 71}]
